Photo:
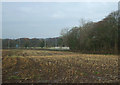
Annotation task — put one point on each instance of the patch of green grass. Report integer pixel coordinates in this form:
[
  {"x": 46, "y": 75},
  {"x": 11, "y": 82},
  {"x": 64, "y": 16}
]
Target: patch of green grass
[
  {"x": 14, "y": 77},
  {"x": 97, "y": 73}
]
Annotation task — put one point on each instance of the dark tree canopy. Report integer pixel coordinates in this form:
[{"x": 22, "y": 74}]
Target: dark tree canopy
[{"x": 98, "y": 37}]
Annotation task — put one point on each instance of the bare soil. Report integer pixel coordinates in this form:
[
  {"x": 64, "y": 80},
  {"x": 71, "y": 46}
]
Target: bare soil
[{"x": 37, "y": 66}]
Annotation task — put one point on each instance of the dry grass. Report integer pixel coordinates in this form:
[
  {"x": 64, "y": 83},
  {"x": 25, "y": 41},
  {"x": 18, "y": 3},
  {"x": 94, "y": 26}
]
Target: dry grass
[{"x": 36, "y": 66}]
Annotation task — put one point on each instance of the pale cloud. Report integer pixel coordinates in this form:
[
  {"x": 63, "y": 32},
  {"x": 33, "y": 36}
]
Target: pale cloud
[
  {"x": 60, "y": 0},
  {"x": 58, "y": 15},
  {"x": 26, "y": 9},
  {"x": 47, "y": 19}
]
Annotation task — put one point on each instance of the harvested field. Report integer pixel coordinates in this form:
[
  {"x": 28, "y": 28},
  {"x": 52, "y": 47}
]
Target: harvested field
[{"x": 37, "y": 66}]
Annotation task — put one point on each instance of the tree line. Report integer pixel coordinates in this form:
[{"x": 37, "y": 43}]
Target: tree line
[
  {"x": 95, "y": 37},
  {"x": 89, "y": 37},
  {"x": 34, "y": 42}
]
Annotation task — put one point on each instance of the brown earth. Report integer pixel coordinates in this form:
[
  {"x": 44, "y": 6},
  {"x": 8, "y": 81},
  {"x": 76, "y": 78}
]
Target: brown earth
[{"x": 37, "y": 66}]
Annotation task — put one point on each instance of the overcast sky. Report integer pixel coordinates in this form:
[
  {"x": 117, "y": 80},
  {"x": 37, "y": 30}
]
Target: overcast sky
[{"x": 46, "y": 19}]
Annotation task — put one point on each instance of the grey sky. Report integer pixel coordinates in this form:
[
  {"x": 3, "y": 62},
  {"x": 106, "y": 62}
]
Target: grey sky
[{"x": 46, "y": 19}]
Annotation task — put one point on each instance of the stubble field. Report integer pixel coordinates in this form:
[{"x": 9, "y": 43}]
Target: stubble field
[{"x": 42, "y": 66}]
